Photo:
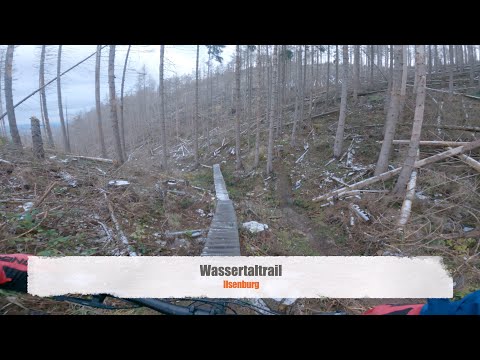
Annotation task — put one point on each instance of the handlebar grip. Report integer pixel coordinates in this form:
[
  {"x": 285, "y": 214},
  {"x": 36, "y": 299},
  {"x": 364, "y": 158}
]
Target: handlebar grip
[{"x": 13, "y": 272}]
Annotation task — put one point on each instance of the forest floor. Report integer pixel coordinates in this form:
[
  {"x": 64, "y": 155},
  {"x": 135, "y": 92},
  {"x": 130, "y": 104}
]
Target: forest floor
[{"x": 74, "y": 217}]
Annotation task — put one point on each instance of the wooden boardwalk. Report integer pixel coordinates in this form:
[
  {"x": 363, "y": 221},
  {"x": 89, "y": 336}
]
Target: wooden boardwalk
[{"x": 222, "y": 239}]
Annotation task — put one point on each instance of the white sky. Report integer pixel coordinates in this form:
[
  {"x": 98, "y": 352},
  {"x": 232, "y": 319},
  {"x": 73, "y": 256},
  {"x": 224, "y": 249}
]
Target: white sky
[{"x": 78, "y": 86}]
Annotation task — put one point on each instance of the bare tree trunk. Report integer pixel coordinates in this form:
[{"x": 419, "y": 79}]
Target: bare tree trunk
[
  {"x": 403, "y": 89},
  {"x": 337, "y": 148},
  {"x": 161, "y": 89},
  {"x": 12, "y": 122},
  {"x": 436, "y": 59},
  {"x": 460, "y": 57},
  {"x": 471, "y": 62},
  {"x": 283, "y": 86},
  {"x": 2, "y": 124},
  {"x": 390, "y": 81},
  {"x": 372, "y": 62},
  {"x": 337, "y": 60},
  {"x": 66, "y": 120},
  {"x": 310, "y": 106},
  {"x": 113, "y": 104},
  {"x": 238, "y": 68},
  {"x": 304, "y": 84},
  {"x": 272, "y": 111},
  {"x": 66, "y": 142},
  {"x": 37, "y": 142},
  {"x": 259, "y": 106},
  {"x": 450, "y": 82},
  {"x": 97, "y": 101},
  {"x": 298, "y": 98},
  {"x": 407, "y": 168},
  {"x": 328, "y": 74},
  {"x": 356, "y": 72},
  {"x": 195, "y": 118},
  {"x": 393, "y": 112},
  {"x": 122, "y": 104},
  {"x": 429, "y": 61},
  {"x": 44, "y": 98}
]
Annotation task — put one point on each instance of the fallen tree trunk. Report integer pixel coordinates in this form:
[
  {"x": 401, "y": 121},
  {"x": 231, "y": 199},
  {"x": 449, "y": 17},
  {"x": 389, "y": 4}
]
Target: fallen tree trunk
[
  {"x": 110, "y": 161},
  {"x": 430, "y": 143},
  {"x": 371, "y": 92},
  {"x": 455, "y": 127},
  {"x": 389, "y": 174},
  {"x": 469, "y": 161}
]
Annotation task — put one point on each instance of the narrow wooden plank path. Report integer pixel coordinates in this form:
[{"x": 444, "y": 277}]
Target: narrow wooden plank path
[{"x": 222, "y": 238}]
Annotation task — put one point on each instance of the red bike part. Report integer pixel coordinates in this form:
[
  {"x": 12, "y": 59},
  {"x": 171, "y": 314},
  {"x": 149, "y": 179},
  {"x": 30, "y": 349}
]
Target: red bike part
[{"x": 411, "y": 309}]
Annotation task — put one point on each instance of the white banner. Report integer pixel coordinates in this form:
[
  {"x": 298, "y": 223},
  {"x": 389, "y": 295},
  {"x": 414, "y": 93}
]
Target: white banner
[{"x": 241, "y": 276}]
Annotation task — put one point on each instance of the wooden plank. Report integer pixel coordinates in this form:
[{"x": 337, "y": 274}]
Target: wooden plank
[{"x": 222, "y": 238}]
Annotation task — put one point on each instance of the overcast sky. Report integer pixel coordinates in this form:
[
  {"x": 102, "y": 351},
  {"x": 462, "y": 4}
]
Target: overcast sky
[{"x": 78, "y": 86}]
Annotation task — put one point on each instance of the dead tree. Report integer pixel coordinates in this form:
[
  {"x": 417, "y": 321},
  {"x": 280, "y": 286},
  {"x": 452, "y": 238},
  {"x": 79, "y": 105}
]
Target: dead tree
[
  {"x": 272, "y": 110},
  {"x": 122, "y": 122},
  {"x": 44, "y": 98},
  {"x": 66, "y": 142},
  {"x": 37, "y": 142},
  {"x": 161, "y": 89},
  {"x": 12, "y": 122},
  {"x": 393, "y": 112},
  {"x": 259, "y": 107},
  {"x": 238, "y": 66},
  {"x": 97, "y": 101},
  {"x": 113, "y": 104},
  {"x": 407, "y": 168},
  {"x": 337, "y": 147}
]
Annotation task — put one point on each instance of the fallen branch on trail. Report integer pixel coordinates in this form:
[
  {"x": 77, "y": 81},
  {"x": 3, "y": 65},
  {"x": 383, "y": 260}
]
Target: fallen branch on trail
[
  {"x": 390, "y": 174},
  {"x": 110, "y": 161},
  {"x": 120, "y": 232},
  {"x": 430, "y": 143},
  {"x": 469, "y": 161},
  {"x": 45, "y": 194}
]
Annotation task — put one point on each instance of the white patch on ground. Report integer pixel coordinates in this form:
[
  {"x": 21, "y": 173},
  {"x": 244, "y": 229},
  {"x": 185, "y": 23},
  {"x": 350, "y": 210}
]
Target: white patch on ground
[
  {"x": 254, "y": 227},
  {"x": 286, "y": 301},
  {"x": 68, "y": 178},
  {"x": 118, "y": 183},
  {"x": 27, "y": 206}
]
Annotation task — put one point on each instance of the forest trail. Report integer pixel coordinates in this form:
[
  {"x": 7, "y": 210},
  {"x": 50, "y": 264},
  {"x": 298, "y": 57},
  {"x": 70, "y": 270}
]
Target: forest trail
[{"x": 302, "y": 223}]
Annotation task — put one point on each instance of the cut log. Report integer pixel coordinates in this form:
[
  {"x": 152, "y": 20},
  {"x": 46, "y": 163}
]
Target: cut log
[
  {"x": 469, "y": 161},
  {"x": 390, "y": 174},
  {"x": 110, "y": 161},
  {"x": 430, "y": 143}
]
